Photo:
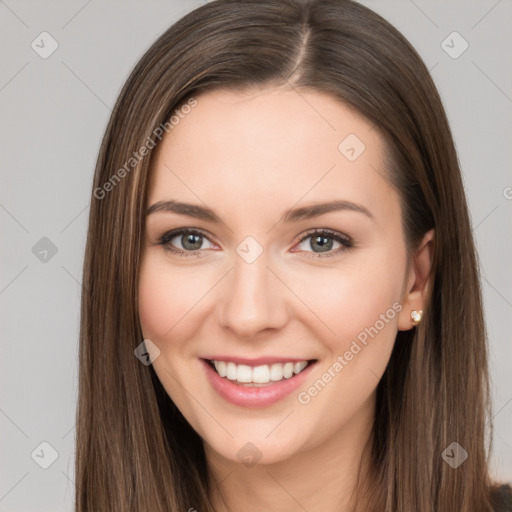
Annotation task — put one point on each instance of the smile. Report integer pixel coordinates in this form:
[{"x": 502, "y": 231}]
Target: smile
[
  {"x": 262, "y": 374},
  {"x": 256, "y": 386}
]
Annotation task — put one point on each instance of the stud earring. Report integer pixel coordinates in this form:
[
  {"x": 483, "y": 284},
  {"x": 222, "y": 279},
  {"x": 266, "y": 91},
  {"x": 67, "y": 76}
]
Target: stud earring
[{"x": 416, "y": 316}]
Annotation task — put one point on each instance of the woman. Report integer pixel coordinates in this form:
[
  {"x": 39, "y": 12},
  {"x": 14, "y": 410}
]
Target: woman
[{"x": 226, "y": 362}]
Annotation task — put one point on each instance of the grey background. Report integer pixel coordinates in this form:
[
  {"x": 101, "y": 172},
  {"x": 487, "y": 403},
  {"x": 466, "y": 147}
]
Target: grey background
[{"x": 53, "y": 114}]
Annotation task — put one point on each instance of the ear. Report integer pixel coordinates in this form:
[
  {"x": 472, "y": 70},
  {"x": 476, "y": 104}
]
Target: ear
[{"x": 417, "y": 281}]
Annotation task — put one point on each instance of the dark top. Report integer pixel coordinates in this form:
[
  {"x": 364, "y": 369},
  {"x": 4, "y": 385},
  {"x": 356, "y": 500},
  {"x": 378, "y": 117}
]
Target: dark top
[{"x": 502, "y": 498}]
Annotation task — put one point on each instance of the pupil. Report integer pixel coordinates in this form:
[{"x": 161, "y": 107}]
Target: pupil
[
  {"x": 325, "y": 246},
  {"x": 190, "y": 239}
]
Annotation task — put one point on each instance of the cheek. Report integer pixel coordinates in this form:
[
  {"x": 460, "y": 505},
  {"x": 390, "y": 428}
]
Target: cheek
[
  {"x": 360, "y": 307},
  {"x": 366, "y": 320},
  {"x": 365, "y": 305},
  {"x": 166, "y": 300},
  {"x": 354, "y": 298},
  {"x": 155, "y": 306}
]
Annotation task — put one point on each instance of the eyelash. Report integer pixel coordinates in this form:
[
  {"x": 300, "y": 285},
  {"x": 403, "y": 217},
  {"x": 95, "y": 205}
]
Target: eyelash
[{"x": 344, "y": 240}]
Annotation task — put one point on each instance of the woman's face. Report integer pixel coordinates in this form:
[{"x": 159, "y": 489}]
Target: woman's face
[{"x": 254, "y": 284}]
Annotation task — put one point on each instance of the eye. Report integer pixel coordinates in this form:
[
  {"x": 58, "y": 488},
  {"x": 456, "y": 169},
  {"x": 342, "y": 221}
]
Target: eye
[
  {"x": 190, "y": 240},
  {"x": 324, "y": 240}
]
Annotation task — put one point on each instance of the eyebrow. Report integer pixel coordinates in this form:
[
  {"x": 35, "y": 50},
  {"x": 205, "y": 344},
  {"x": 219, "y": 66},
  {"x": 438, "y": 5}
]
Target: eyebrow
[{"x": 292, "y": 215}]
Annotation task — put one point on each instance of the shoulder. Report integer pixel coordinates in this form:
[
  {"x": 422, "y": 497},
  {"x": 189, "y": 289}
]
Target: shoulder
[{"x": 501, "y": 498}]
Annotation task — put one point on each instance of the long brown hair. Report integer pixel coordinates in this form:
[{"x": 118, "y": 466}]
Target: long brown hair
[{"x": 134, "y": 449}]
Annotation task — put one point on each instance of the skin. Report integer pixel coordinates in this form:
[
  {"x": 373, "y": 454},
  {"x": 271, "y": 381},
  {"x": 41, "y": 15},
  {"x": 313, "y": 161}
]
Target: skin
[{"x": 250, "y": 157}]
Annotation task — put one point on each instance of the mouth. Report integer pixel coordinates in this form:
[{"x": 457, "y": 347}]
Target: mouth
[
  {"x": 256, "y": 386},
  {"x": 258, "y": 375}
]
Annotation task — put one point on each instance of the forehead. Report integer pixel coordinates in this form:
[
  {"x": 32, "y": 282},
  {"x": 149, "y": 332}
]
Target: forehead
[{"x": 272, "y": 147}]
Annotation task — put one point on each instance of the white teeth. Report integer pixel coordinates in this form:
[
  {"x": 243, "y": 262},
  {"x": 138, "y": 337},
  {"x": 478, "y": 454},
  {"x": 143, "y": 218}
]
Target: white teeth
[
  {"x": 261, "y": 374},
  {"x": 230, "y": 370},
  {"x": 221, "y": 368},
  {"x": 276, "y": 372},
  {"x": 298, "y": 367},
  {"x": 243, "y": 373},
  {"x": 258, "y": 374},
  {"x": 288, "y": 370}
]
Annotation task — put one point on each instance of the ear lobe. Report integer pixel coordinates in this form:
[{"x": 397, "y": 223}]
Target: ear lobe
[{"x": 418, "y": 281}]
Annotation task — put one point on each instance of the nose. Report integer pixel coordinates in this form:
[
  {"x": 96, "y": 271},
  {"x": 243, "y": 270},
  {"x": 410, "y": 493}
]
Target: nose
[{"x": 253, "y": 299}]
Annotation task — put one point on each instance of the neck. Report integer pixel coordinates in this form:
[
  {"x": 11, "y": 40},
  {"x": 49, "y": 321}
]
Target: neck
[{"x": 319, "y": 478}]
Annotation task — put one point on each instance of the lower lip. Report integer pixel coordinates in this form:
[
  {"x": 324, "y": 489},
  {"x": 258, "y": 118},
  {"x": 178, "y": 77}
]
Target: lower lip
[{"x": 248, "y": 396}]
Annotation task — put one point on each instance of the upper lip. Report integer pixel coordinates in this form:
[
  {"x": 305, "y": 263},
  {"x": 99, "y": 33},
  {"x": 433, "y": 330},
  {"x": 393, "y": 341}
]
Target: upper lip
[{"x": 257, "y": 361}]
